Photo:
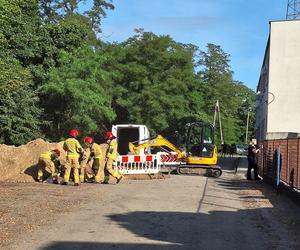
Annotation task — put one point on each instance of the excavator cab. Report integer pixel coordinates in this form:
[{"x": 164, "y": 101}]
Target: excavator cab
[
  {"x": 200, "y": 150},
  {"x": 200, "y": 147}
]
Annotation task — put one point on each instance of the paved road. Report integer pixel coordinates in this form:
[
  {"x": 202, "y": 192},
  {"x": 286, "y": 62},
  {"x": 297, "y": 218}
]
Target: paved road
[{"x": 180, "y": 212}]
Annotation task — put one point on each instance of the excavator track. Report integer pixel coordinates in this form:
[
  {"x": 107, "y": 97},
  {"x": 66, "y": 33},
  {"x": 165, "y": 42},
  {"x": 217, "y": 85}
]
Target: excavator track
[{"x": 211, "y": 170}]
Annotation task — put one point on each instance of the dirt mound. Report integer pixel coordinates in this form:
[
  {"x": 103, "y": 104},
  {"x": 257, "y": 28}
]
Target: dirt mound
[{"x": 18, "y": 163}]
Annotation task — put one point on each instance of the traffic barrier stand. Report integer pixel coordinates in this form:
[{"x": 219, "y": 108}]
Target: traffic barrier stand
[{"x": 137, "y": 164}]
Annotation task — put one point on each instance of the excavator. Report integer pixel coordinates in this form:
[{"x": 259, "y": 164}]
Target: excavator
[{"x": 199, "y": 150}]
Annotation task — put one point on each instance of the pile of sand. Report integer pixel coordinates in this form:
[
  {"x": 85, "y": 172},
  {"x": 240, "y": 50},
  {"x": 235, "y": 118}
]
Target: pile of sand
[{"x": 18, "y": 163}]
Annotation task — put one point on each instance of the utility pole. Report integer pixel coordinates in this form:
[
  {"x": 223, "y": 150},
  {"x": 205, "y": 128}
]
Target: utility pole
[
  {"x": 215, "y": 115},
  {"x": 217, "y": 110},
  {"x": 247, "y": 127}
]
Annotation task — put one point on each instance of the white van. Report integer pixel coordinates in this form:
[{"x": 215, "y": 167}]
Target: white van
[{"x": 126, "y": 133}]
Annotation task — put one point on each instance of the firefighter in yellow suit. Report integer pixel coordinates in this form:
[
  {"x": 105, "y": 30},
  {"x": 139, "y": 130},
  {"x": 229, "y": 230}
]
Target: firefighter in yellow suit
[
  {"x": 73, "y": 149},
  {"x": 49, "y": 162},
  {"x": 110, "y": 157},
  {"x": 85, "y": 158},
  {"x": 97, "y": 167}
]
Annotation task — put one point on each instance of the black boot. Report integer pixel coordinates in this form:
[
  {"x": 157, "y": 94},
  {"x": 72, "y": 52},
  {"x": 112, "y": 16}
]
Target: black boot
[{"x": 119, "y": 179}]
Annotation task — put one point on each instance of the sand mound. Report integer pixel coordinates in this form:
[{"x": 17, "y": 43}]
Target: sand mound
[{"x": 17, "y": 163}]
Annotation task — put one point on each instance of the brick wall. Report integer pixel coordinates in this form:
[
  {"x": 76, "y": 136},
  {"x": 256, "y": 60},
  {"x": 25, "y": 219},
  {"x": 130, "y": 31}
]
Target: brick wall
[{"x": 290, "y": 161}]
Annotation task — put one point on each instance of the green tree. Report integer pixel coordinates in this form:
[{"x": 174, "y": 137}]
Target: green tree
[
  {"x": 36, "y": 43},
  {"x": 19, "y": 113},
  {"x": 38, "y": 36},
  {"x": 76, "y": 95},
  {"x": 156, "y": 84},
  {"x": 246, "y": 99},
  {"x": 68, "y": 34},
  {"x": 234, "y": 98},
  {"x": 19, "y": 29},
  {"x": 55, "y": 10}
]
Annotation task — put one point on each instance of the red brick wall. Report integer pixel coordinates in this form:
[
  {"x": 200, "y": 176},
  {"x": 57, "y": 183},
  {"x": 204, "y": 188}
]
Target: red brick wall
[{"x": 290, "y": 161}]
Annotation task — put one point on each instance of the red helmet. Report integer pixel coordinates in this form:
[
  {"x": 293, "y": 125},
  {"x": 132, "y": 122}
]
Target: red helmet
[
  {"x": 88, "y": 140},
  {"x": 73, "y": 132},
  {"x": 109, "y": 135},
  {"x": 57, "y": 151}
]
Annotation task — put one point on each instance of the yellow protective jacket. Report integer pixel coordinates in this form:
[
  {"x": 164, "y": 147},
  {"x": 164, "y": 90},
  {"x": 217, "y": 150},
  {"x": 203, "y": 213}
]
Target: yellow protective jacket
[
  {"x": 96, "y": 151},
  {"x": 73, "y": 148},
  {"x": 49, "y": 155},
  {"x": 112, "y": 150}
]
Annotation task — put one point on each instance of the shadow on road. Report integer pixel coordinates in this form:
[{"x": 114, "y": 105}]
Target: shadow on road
[
  {"x": 220, "y": 229},
  {"x": 173, "y": 230}
]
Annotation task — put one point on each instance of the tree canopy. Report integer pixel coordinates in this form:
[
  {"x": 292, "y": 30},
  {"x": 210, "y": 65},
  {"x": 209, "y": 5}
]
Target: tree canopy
[{"x": 56, "y": 74}]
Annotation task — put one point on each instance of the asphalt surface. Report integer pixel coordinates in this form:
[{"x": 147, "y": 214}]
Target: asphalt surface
[{"x": 179, "y": 212}]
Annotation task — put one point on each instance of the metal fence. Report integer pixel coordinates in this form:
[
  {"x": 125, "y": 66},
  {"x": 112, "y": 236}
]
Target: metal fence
[{"x": 289, "y": 161}]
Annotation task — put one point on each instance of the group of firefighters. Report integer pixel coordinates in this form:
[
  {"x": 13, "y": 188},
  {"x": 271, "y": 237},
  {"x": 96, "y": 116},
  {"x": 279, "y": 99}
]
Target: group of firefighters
[{"x": 78, "y": 157}]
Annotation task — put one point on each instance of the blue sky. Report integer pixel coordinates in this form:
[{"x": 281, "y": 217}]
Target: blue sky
[{"x": 240, "y": 26}]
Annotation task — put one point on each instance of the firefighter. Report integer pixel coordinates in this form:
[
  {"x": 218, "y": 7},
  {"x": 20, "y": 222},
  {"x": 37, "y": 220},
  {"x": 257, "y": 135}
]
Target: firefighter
[
  {"x": 73, "y": 149},
  {"x": 110, "y": 157},
  {"x": 49, "y": 161},
  {"x": 85, "y": 157},
  {"x": 98, "y": 168}
]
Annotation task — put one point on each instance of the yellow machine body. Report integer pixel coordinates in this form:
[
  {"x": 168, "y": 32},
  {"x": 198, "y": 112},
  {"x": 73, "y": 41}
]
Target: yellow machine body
[
  {"x": 194, "y": 160},
  {"x": 199, "y": 150}
]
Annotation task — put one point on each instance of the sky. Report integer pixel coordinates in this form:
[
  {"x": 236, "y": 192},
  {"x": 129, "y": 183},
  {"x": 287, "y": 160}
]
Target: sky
[{"x": 240, "y": 27}]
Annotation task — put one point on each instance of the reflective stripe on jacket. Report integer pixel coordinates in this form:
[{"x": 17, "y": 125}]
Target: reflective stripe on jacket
[
  {"x": 96, "y": 151},
  {"x": 49, "y": 155},
  {"x": 73, "y": 148},
  {"x": 112, "y": 152}
]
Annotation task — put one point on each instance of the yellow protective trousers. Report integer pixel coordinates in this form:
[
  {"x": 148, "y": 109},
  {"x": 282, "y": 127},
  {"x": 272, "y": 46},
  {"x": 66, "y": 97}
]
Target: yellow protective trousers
[
  {"x": 83, "y": 165},
  {"x": 109, "y": 170},
  {"x": 88, "y": 172},
  {"x": 48, "y": 166},
  {"x": 102, "y": 172},
  {"x": 98, "y": 169},
  {"x": 72, "y": 163}
]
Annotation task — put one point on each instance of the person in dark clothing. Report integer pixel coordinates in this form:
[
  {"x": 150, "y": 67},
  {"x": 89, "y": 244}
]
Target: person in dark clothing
[
  {"x": 232, "y": 149},
  {"x": 252, "y": 160},
  {"x": 224, "y": 149}
]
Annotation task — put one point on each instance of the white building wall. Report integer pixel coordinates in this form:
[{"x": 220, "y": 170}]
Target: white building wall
[
  {"x": 278, "y": 102},
  {"x": 261, "y": 99},
  {"x": 284, "y": 77}
]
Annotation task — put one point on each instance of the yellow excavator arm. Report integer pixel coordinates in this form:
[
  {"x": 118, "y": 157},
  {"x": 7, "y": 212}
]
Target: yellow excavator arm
[{"x": 158, "y": 141}]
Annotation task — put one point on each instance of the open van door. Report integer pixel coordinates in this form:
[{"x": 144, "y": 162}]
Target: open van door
[{"x": 126, "y": 133}]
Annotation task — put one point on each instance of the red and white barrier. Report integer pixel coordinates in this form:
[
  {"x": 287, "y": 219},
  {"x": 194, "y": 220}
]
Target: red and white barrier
[
  {"x": 137, "y": 164},
  {"x": 144, "y": 164},
  {"x": 166, "y": 159}
]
